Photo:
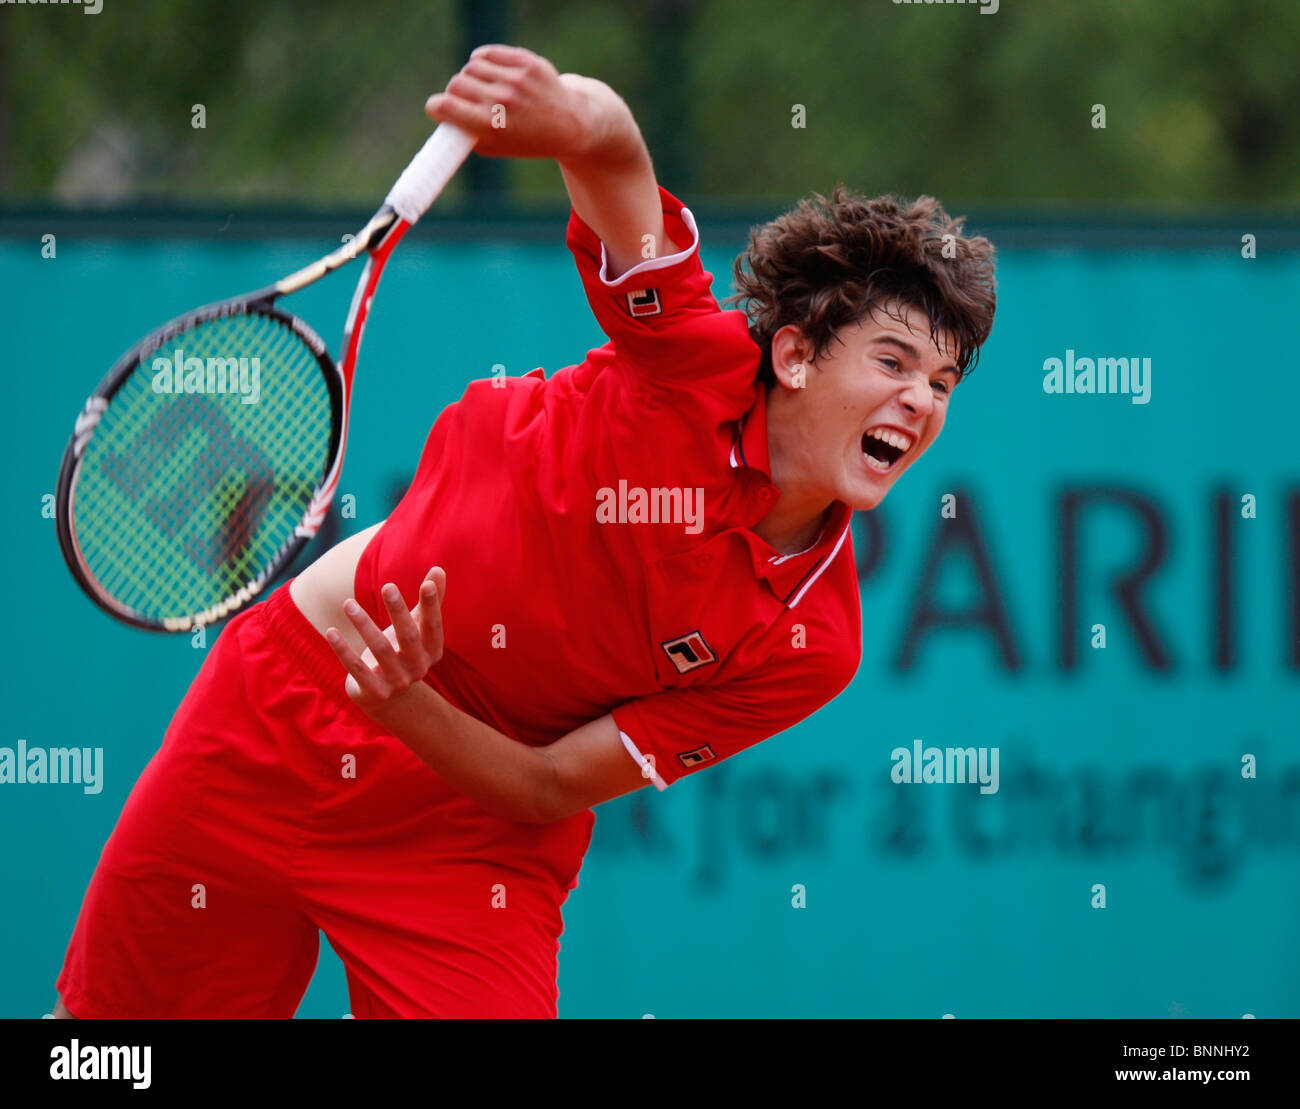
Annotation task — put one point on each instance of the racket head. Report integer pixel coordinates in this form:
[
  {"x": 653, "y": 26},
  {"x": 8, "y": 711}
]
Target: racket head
[{"x": 177, "y": 508}]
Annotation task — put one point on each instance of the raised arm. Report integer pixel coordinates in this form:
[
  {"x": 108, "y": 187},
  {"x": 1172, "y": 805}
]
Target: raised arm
[{"x": 520, "y": 107}]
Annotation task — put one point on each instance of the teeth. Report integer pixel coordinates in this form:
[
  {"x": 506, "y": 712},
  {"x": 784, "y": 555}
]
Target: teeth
[
  {"x": 883, "y": 467},
  {"x": 893, "y": 438}
]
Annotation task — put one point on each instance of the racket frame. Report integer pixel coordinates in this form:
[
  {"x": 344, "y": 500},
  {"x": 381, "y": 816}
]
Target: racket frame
[
  {"x": 409, "y": 198},
  {"x": 378, "y": 237}
]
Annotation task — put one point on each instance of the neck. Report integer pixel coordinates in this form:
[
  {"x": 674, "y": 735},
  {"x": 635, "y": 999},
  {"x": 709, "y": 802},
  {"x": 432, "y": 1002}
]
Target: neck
[
  {"x": 797, "y": 518},
  {"x": 793, "y": 527}
]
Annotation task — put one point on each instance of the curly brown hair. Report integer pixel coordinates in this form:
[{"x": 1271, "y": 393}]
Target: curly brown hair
[{"x": 831, "y": 262}]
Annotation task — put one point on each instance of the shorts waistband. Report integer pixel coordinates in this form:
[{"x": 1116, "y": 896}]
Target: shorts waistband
[{"x": 306, "y": 649}]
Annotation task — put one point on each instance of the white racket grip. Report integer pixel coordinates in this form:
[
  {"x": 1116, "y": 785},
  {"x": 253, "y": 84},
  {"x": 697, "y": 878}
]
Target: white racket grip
[{"x": 429, "y": 171}]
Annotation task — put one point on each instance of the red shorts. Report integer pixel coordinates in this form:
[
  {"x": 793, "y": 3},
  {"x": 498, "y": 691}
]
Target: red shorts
[{"x": 275, "y": 808}]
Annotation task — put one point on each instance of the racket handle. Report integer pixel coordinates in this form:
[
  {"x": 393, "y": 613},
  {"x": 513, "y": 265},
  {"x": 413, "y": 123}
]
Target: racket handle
[{"x": 429, "y": 171}]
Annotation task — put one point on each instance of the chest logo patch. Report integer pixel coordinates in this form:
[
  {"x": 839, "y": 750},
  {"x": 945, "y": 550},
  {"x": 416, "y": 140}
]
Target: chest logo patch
[
  {"x": 689, "y": 652},
  {"x": 644, "y": 302}
]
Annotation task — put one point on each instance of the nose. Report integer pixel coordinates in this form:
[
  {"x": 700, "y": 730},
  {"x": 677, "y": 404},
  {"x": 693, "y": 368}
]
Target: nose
[{"x": 917, "y": 396}]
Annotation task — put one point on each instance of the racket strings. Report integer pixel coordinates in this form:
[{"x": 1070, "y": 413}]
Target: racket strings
[{"x": 202, "y": 465}]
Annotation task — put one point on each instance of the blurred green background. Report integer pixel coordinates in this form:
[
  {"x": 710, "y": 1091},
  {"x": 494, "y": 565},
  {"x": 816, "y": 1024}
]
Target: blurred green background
[{"x": 321, "y": 101}]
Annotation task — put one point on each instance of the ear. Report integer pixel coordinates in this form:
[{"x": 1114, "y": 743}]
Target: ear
[{"x": 792, "y": 352}]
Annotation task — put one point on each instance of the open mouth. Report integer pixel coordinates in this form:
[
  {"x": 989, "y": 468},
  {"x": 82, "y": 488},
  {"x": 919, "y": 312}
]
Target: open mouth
[{"x": 883, "y": 447}]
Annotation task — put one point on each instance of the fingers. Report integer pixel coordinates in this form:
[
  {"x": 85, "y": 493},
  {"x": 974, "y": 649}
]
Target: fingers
[
  {"x": 489, "y": 72},
  {"x": 445, "y": 108},
  {"x": 503, "y": 55},
  {"x": 369, "y": 682},
  {"x": 498, "y": 79},
  {"x": 402, "y": 653},
  {"x": 431, "y": 591},
  {"x": 379, "y": 644},
  {"x": 473, "y": 93},
  {"x": 473, "y": 90},
  {"x": 404, "y": 626}
]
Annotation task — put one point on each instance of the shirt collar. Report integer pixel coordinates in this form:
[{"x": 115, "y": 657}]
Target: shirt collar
[{"x": 791, "y": 575}]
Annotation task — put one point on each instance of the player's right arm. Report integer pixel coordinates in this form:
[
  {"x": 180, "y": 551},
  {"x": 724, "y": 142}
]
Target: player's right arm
[
  {"x": 636, "y": 245},
  {"x": 518, "y": 106}
]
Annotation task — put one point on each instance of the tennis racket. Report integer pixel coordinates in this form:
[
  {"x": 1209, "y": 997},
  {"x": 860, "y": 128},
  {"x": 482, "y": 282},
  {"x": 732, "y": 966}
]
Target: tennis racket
[{"x": 209, "y": 455}]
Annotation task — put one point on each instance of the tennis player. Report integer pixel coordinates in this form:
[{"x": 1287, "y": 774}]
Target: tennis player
[{"x": 610, "y": 578}]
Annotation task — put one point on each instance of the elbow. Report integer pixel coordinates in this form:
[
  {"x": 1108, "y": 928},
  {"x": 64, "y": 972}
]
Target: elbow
[
  {"x": 538, "y": 811},
  {"x": 543, "y": 801},
  {"x": 520, "y": 809}
]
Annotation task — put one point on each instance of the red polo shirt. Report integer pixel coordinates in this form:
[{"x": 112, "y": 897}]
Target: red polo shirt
[{"x": 595, "y": 530}]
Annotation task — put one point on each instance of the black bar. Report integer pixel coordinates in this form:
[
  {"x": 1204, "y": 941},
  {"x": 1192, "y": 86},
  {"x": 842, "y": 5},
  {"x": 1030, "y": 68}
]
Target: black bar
[{"x": 870, "y": 1058}]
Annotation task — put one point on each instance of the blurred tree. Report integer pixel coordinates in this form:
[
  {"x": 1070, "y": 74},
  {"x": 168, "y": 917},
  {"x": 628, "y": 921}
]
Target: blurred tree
[
  {"x": 740, "y": 99},
  {"x": 484, "y": 21}
]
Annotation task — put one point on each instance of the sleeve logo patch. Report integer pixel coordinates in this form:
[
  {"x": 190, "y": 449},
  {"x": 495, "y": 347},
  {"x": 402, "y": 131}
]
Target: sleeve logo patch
[
  {"x": 699, "y": 755},
  {"x": 689, "y": 652},
  {"x": 644, "y": 302}
]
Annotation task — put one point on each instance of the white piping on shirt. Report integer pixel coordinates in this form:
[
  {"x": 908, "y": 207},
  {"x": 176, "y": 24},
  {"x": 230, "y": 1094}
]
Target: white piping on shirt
[
  {"x": 822, "y": 568},
  {"x": 643, "y": 762},
  {"x": 740, "y": 434},
  {"x": 654, "y": 263},
  {"x": 776, "y": 560}
]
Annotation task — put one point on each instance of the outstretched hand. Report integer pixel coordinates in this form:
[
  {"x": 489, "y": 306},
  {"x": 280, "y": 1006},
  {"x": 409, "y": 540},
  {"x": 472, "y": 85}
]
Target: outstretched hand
[{"x": 401, "y": 655}]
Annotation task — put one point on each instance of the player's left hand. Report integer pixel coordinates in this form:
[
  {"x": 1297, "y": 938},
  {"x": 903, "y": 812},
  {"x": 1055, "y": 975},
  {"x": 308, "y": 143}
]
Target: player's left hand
[{"x": 401, "y": 655}]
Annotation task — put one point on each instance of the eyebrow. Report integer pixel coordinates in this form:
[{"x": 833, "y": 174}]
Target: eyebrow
[{"x": 912, "y": 352}]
